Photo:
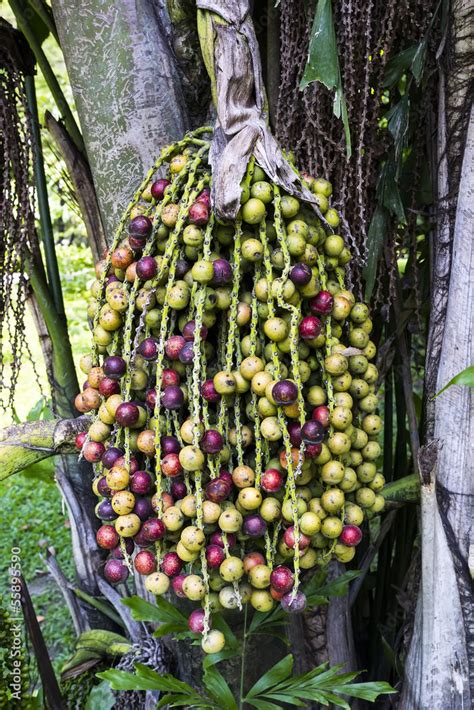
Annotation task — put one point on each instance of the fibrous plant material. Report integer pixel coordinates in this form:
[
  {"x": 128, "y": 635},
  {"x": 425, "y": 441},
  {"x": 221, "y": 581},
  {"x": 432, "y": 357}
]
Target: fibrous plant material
[
  {"x": 17, "y": 221},
  {"x": 234, "y": 431},
  {"x": 368, "y": 36}
]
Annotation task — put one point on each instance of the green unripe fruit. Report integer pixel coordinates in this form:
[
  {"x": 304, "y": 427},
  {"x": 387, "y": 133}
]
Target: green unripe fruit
[
  {"x": 270, "y": 510},
  {"x": 259, "y": 576},
  {"x": 287, "y": 509},
  {"x": 359, "y": 313},
  {"x": 379, "y": 504},
  {"x": 262, "y": 601},
  {"x": 310, "y": 523},
  {"x": 365, "y": 497},
  {"x": 344, "y": 553},
  {"x": 377, "y": 482},
  {"x": 358, "y": 338},
  {"x": 369, "y": 403},
  {"x": 193, "y": 538},
  {"x": 332, "y": 472},
  {"x": 371, "y": 451},
  {"x": 228, "y": 598},
  {"x": 232, "y": 569},
  {"x": 296, "y": 244},
  {"x": 193, "y": 236},
  {"x": 127, "y": 525},
  {"x": 214, "y": 642},
  {"x": 372, "y": 424},
  {"x": 353, "y": 514},
  {"x": 275, "y": 329},
  {"x": 309, "y": 559},
  {"x": 250, "y": 498},
  {"x": 157, "y": 583},
  {"x": 316, "y": 396},
  {"x": 339, "y": 443},
  {"x": 332, "y": 500},
  {"x": 263, "y": 191},
  {"x": 230, "y": 521},
  {"x": 335, "y": 364},
  {"x": 349, "y": 481},
  {"x": 333, "y": 245},
  {"x": 253, "y": 211},
  {"x": 202, "y": 271},
  {"x": 252, "y": 250},
  {"x": 366, "y": 472},
  {"x": 359, "y": 388},
  {"x": 332, "y": 218},
  {"x": 289, "y": 206},
  {"x": 316, "y": 507},
  {"x": 173, "y": 518},
  {"x": 341, "y": 417},
  {"x": 322, "y": 202},
  {"x": 322, "y": 186},
  {"x": 331, "y": 527},
  {"x": 270, "y": 429}
]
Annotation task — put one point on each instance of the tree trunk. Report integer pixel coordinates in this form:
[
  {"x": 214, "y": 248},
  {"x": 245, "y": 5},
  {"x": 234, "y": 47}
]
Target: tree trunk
[
  {"x": 440, "y": 663},
  {"x": 127, "y": 91}
]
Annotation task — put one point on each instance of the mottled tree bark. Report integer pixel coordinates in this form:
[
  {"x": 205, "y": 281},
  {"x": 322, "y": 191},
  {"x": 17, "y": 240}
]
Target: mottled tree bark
[{"x": 126, "y": 88}]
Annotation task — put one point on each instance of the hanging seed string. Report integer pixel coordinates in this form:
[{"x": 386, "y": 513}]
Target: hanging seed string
[
  {"x": 290, "y": 488},
  {"x": 254, "y": 340}
]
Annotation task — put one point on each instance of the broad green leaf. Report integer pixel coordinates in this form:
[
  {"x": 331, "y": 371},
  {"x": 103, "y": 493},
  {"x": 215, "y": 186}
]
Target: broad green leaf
[
  {"x": 397, "y": 119},
  {"x": 100, "y": 698},
  {"x": 280, "y": 671},
  {"x": 123, "y": 680},
  {"x": 218, "y": 688},
  {"x": 159, "y": 613},
  {"x": 418, "y": 63},
  {"x": 171, "y": 627},
  {"x": 388, "y": 191},
  {"x": 365, "y": 691},
  {"x": 263, "y": 704},
  {"x": 335, "y": 588},
  {"x": 323, "y": 63},
  {"x": 397, "y": 66},
  {"x": 211, "y": 659},
  {"x": 465, "y": 377},
  {"x": 376, "y": 236},
  {"x": 102, "y": 640},
  {"x": 41, "y": 411}
]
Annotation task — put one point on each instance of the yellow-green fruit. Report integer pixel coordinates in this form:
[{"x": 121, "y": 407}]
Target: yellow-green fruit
[
  {"x": 310, "y": 523},
  {"x": 259, "y": 576},
  {"x": 250, "y": 498},
  {"x": 194, "y": 587},
  {"x": 261, "y": 600},
  {"x": 232, "y": 569},
  {"x": 127, "y": 525},
  {"x": 214, "y": 642},
  {"x": 123, "y": 502},
  {"x": 230, "y": 521},
  {"x": 185, "y": 554},
  {"x": 157, "y": 583},
  {"x": 332, "y": 472},
  {"x": 193, "y": 538},
  {"x": 331, "y": 527}
]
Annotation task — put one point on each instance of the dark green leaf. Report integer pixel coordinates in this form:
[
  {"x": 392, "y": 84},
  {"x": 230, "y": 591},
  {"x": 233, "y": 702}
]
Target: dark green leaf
[
  {"x": 218, "y": 688},
  {"x": 159, "y": 613},
  {"x": 337, "y": 587},
  {"x": 466, "y": 377},
  {"x": 418, "y": 63},
  {"x": 323, "y": 61},
  {"x": 100, "y": 698},
  {"x": 280, "y": 671},
  {"x": 218, "y": 622},
  {"x": 397, "y": 124},
  {"x": 376, "y": 235},
  {"x": 212, "y": 658},
  {"x": 397, "y": 66},
  {"x": 171, "y": 627},
  {"x": 123, "y": 680},
  {"x": 365, "y": 691}
]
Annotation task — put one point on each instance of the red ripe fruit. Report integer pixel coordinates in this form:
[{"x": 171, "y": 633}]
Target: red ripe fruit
[
  {"x": 158, "y": 188},
  {"x": 196, "y": 621},
  {"x": 117, "y": 553},
  {"x": 209, "y": 392},
  {"x": 171, "y": 564},
  {"x": 215, "y": 556},
  {"x": 198, "y": 214},
  {"x": 107, "y": 537},
  {"x": 310, "y": 327},
  {"x": 127, "y": 414},
  {"x": 212, "y": 441},
  {"x": 205, "y": 196},
  {"x": 272, "y": 480},
  {"x": 322, "y": 303},
  {"x": 108, "y": 387},
  {"x": 141, "y": 541},
  {"x": 321, "y": 415},
  {"x": 289, "y": 539},
  {"x": 217, "y": 490},
  {"x": 173, "y": 346},
  {"x": 277, "y": 596},
  {"x": 93, "y": 451},
  {"x": 133, "y": 467},
  {"x": 216, "y": 539},
  {"x": 351, "y": 535},
  {"x": 115, "y": 571},
  {"x": 282, "y": 579},
  {"x": 145, "y": 562},
  {"x": 178, "y": 489},
  {"x": 153, "y": 529},
  {"x": 140, "y": 226},
  {"x": 80, "y": 439},
  {"x": 150, "y": 399},
  {"x": 177, "y": 584},
  {"x": 312, "y": 451},
  {"x": 171, "y": 466},
  {"x": 170, "y": 377},
  {"x": 252, "y": 559},
  {"x": 140, "y": 483}
]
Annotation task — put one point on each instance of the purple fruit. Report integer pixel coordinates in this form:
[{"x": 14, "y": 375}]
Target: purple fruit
[
  {"x": 169, "y": 445},
  {"x": 140, "y": 483},
  {"x": 140, "y": 226},
  {"x": 186, "y": 355},
  {"x": 322, "y": 303},
  {"x": 173, "y": 346},
  {"x": 254, "y": 525},
  {"x": 215, "y": 556},
  {"x": 147, "y": 268},
  {"x": 189, "y": 330},
  {"x": 212, "y": 442},
  {"x": 117, "y": 553},
  {"x": 115, "y": 367},
  {"x": 296, "y": 605},
  {"x": 178, "y": 489},
  {"x": 158, "y": 188},
  {"x": 301, "y": 274},
  {"x": 127, "y": 414},
  {"x": 141, "y": 540},
  {"x": 104, "y": 510},
  {"x": 222, "y": 272},
  {"x": 143, "y": 508},
  {"x": 217, "y": 490},
  {"x": 103, "y": 488},
  {"x": 285, "y": 392},
  {"x": 111, "y": 455},
  {"x": 148, "y": 349},
  {"x": 313, "y": 432},
  {"x": 294, "y": 430},
  {"x": 172, "y": 397},
  {"x": 115, "y": 571},
  {"x": 310, "y": 328},
  {"x": 153, "y": 529},
  {"x": 182, "y": 268}
]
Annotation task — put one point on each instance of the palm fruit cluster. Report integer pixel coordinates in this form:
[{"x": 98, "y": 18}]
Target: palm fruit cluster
[{"x": 234, "y": 432}]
